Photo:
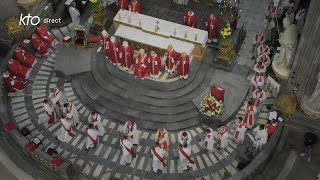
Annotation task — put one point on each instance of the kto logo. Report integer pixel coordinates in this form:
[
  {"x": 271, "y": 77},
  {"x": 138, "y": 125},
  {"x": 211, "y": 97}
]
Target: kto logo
[{"x": 25, "y": 20}]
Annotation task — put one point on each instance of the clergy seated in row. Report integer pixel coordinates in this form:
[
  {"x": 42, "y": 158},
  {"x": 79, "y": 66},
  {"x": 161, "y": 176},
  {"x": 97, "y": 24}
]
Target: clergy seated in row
[
  {"x": 95, "y": 119},
  {"x": 131, "y": 130},
  {"x": 24, "y": 57},
  {"x": 43, "y": 32},
  {"x": 141, "y": 67},
  {"x": 257, "y": 81},
  {"x": 190, "y": 19},
  {"x": 135, "y": 7},
  {"x": 126, "y": 56},
  {"x": 212, "y": 26},
  {"x": 261, "y": 136},
  {"x": 14, "y": 83},
  {"x": 41, "y": 46},
  {"x": 260, "y": 68},
  {"x": 264, "y": 58},
  {"x": 92, "y": 140},
  {"x": 16, "y": 68}
]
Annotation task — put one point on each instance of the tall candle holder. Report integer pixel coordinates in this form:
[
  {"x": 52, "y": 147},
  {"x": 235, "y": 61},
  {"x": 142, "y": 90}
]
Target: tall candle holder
[
  {"x": 175, "y": 31},
  {"x": 129, "y": 18},
  {"x": 196, "y": 36},
  {"x": 185, "y": 33},
  {"x": 139, "y": 21}
]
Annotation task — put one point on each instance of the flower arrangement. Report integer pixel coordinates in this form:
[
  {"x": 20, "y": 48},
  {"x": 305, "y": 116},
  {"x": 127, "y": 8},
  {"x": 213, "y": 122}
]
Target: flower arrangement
[
  {"x": 226, "y": 31},
  {"x": 94, "y": 4},
  {"x": 210, "y": 106}
]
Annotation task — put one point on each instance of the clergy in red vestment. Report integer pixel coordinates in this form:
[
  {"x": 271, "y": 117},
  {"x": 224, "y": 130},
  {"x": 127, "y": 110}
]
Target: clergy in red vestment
[
  {"x": 141, "y": 67},
  {"x": 263, "y": 48},
  {"x": 13, "y": 83},
  {"x": 259, "y": 95},
  {"x": 126, "y": 56},
  {"x": 154, "y": 65},
  {"x": 113, "y": 48},
  {"x": 17, "y": 68},
  {"x": 190, "y": 19},
  {"x": 42, "y": 31},
  {"x": 257, "y": 81},
  {"x": 122, "y": 4},
  {"x": 183, "y": 65},
  {"x": 40, "y": 46},
  {"x": 105, "y": 39},
  {"x": 171, "y": 59},
  {"x": 24, "y": 57},
  {"x": 134, "y": 6},
  {"x": 250, "y": 111},
  {"x": 258, "y": 38},
  {"x": 212, "y": 25}
]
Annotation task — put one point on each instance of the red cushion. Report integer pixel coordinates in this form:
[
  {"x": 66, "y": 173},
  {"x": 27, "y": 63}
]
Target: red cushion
[
  {"x": 56, "y": 161},
  {"x": 217, "y": 92},
  {"x": 94, "y": 39},
  {"x": 31, "y": 147},
  {"x": 9, "y": 126}
]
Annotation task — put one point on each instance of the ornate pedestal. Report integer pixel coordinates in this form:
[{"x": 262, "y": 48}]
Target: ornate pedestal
[
  {"x": 312, "y": 109},
  {"x": 280, "y": 71},
  {"x": 225, "y": 50}
]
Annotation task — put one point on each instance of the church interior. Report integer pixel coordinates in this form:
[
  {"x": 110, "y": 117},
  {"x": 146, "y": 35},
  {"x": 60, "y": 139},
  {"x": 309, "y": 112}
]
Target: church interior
[{"x": 160, "y": 89}]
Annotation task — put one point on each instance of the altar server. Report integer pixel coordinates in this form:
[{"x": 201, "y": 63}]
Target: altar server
[
  {"x": 105, "y": 39},
  {"x": 14, "y": 83},
  {"x": 24, "y": 57},
  {"x": 208, "y": 141},
  {"x": 17, "y": 68},
  {"x": 158, "y": 154},
  {"x": 49, "y": 113},
  {"x": 127, "y": 151},
  {"x": 259, "y": 95},
  {"x": 163, "y": 139},
  {"x": 261, "y": 136},
  {"x": 71, "y": 113},
  {"x": 257, "y": 39},
  {"x": 212, "y": 26},
  {"x": 95, "y": 119},
  {"x": 223, "y": 140},
  {"x": 142, "y": 65},
  {"x": 122, "y": 4},
  {"x": 240, "y": 130},
  {"x": 257, "y": 81},
  {"x": 43, "y": 32},
  {"x": 126, "y": 55},
  {"x": 65, "y": 133},
  {"x": 184, "y": 137},
  {"x": 57, "y": 97},
  {"x": 171, "y": 59},
  {"x": 183, "y": 65},
  {"x": 130, "y": 128},
  {"x": 185, "y": 160},
  {"x": 113, "y": 48},
  {"x": 264, "y": 58},
  {"x": 134, "y": 6},
  {"x": 250, "y": 111},
  {"x": 190, "y": 19},
  {"x": 39, "y": 45},
  {"x": 263, "y": 49},
  {"x": 92, "y": 139},
  {"x": 300, "y": 19},
  {"x": 154, "y": 65},
  {"x": 260, "y": 68}
]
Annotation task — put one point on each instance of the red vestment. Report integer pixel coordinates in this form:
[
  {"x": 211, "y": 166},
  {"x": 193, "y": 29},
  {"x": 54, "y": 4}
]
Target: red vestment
[
  {"x": 183, "y": 66},
  {"x": 127, "y": 56},
  {"x": 141, "y": 68},
  {"x": 17, "y": 68},
  {"x": 212, "y": 27},
  {"x": 250, "y": 111},
  {"x": 114, "y": 48},
  {"x": 171, "y": 59},
  {"x": 24, "y": 57},
  {"x": 42, "y": 31},
  {"x": 155, "y": 65},
  {"x": 40, "y": 45},
  {"x": 105, "y": 41},
  {"x": 190, "y": 20},
  {"x": 122, "y": 4},
  {"x": 135, "y": 7},
  {"x": 271, "y": 129}
]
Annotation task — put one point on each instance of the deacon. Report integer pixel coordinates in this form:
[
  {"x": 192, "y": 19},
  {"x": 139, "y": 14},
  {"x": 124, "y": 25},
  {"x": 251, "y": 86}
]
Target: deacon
[
  {"x": 300, "y": 18},
  {"x": 126, "y": 56},
  {"x": 42, "y": 31},
  {"x": 263, "y": 49},
  {"x": 208, "y": 141},
  {"x": 184, "y": 137},
  {"x": 259, "y": 95},
  {"x": 223, "y": 140},
  {"x": 71, "y": 113},
  {"x": 265, "y": 59},
  {"x": 95, "y": 119},
  {"x": 190, "y": 19},
  {"x": 141, "y": 67},
  {"x": 250, "y": 110},
  {"x": 260, "y": 68},
  {"x": 24, "y": 57},
  {"x": 240, "y": 130},
  {"x": 257, "y": 81},
  {"x": 183, "y": 65},
  {"x": 257, "y": 39},
  {"x": 65, "y": 133},
  {"x": 268, "y": 25},
  {"x": 163, "y": 139},
  {"x": 158, "y": 154},
  {"x": 271, "y": 10},
  {"x": 127, "y": 150},
  {"x": 171, "y": 58},
  {"x": 49, "y": 113},
  {"x": 212, "y": 26},
  {"x": 154, "y": 65},
  {"x": 13, "y": 83},
  {"x": 39, "y": 45},
  {"x": 92, "y": 139},
  {"x": 113, "y": 47},
  {"x": 18, "y": 69},
  {"x": 134, "y": 6},
  {"x": 261, "y": 136},
  {"x": 57, "y": 98},
  {"x": 185, "y": 162},
  {"x": 105, "y": 39},
  {"x": 130, "y": 128},
  {"x": 290, "y": 14},
  {"x": 122, "y": 4}
]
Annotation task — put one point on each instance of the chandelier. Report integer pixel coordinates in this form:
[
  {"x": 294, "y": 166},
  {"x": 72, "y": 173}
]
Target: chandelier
[{"x": 229, "y": 10}]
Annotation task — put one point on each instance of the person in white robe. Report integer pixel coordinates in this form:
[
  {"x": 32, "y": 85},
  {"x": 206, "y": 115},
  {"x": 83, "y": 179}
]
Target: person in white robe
[
  {"x": 258, "y": 95},
  {"x": 185, "y": 162},
  {"x": 75, "y": 15},
  {"x": 127, "y": 151},
  {"x": 95, "y": 119},
  {"x": 71, "y": 113},
  {"x": 158, "y": 157},
  {"x": 49, "y": 113},
  {"x": 57, "y": 98},
  {"x": 208, "y": 142},
  {"x": 273, "y": 114},
  {"x": 130, "y": 128},
  {"x": 240, "y": 130},
  {"x": 163, "y": 138},
  {"x": 184, "y": 137},
  {"x": 92, "y": 139},
  {"x": 223, "y": 140},
  {"x": 261, "y": 136},
  {"x": 65, "y": 133}
]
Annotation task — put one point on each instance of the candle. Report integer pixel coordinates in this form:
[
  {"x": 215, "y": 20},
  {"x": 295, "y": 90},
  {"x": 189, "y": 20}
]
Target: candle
[
  {"x": 196, "y": 36},
  {"x": 139, "y": 21},
  {"x": 185, "y": 33},
  {"x": 174, "y": 31}
]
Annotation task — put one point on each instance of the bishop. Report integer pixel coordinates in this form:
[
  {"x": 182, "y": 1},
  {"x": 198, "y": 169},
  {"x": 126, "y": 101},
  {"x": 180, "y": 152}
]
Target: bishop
[
  {"x": 154, "y": 65},
  {"x": 183, "y": 65}
]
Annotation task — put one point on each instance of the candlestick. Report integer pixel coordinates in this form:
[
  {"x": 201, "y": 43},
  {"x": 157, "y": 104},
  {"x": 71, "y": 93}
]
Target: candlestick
[
  {"x": 174, "y": 31},
  {"x": 129, "y": 19},
  {"x": 196, "y": 36},
  {"x": 119, "y": 17},
  {"x": 155, "y": 27},
  {"x": 185, "y": 33},
  {"x": 139, "y": 21}
]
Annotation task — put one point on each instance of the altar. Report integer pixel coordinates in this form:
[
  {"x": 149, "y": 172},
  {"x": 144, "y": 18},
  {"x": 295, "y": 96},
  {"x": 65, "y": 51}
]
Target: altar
[{"x": 160, "y": 32}]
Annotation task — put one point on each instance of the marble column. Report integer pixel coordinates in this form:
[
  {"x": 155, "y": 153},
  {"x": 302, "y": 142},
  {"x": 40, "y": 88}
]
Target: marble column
[{"x": 9, "y": 8}]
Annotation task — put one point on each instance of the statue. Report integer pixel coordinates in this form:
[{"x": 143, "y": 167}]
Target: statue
[
  {"x": 311, "y": 105},
  {"x": 282, "y": 61}
]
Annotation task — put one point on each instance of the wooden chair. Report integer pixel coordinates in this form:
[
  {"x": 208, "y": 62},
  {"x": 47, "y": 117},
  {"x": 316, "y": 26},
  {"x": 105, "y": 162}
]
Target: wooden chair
[{"x": 80, "y": 39}]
